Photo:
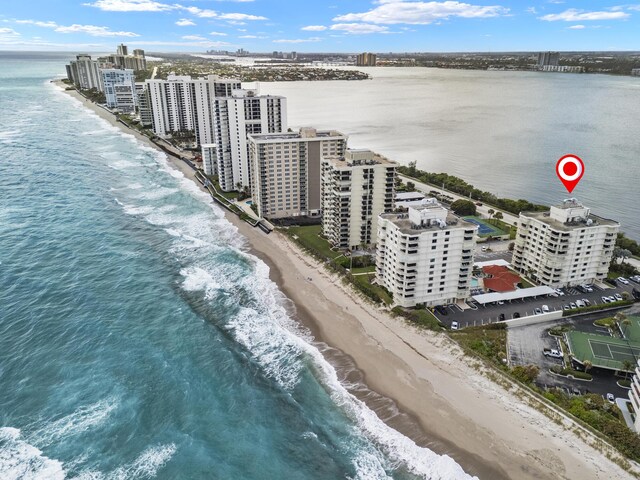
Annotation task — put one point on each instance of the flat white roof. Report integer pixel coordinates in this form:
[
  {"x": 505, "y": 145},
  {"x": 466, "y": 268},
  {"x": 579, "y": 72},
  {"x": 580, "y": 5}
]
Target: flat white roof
[
  {"x": 409, "y": 195},
  {"x": 516, "y": 294}
]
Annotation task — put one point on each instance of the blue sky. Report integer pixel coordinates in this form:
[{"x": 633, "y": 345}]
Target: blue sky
[{"x": 320, "y": 26}]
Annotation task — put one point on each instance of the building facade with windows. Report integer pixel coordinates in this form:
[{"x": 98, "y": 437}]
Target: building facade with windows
[
  {"x": 209, "y": 158},
  {"x": 356, "y": 188},
  {"x": 286, "y": 170},
  {"x": 180, "y": 104},
  {"x": 120, "y": 89},
  {"x": 366, "y": 60},
  {"x": 425, "y": 256},
  {"x": 85, "y": 73},
  {"x": 241, "y": 114},
  {"x": 565, "y": 246}
]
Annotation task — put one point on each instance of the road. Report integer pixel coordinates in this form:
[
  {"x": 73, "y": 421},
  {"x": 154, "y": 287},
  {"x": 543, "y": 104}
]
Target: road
[{"x": 482, "y": 210}]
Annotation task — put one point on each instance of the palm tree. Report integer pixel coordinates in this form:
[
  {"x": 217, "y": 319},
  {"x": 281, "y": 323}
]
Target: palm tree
[
  {"x": 627, "y": 365},
  {"x": 498, "y": 215},
  {"x": 491, "y": 211}
]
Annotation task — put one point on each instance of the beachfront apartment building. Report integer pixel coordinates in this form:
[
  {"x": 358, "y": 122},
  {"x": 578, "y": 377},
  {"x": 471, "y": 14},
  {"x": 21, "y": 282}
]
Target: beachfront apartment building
[
  {"x": 286, "y": 170},
  {"x": 634, "y": 396},
  {"x": 366, "y": 59},
  {"x": 85, "y": 73},
  {"x": 425, "y": 256},
  {"x": 144, "y": 104},
  {"x": 180, "y": 104},
  {"x": 208, "y": 151},
  {"x": 120, "y": 89},
  {"x": 565, "y": 246},
  {"x": 355, "y": 189},
  {"x": 237, "y": 115}
]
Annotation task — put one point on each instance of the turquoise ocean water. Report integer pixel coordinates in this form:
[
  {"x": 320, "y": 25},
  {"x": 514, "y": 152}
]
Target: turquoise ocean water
[{"x": 138, "y": 338}]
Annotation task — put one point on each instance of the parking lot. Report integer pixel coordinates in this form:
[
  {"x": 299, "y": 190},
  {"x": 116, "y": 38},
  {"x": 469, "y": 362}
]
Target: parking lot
[
  {"x": 490, "y": 313},
  {"x": 525, "y": 346}
]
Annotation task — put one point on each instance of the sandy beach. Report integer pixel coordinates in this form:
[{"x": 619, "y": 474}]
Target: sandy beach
[{"x": 417, "y": 381}]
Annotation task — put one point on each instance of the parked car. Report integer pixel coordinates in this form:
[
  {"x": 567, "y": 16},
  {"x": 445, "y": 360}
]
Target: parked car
[
  {"x": 635, "y": 278},
  {"x": 566, "y": 307},
  {"x": 501, "y": 317},
  {"x": 559, "y": 292},
  {"x": 618, "y": 297},
  {"x": 454, "y": 325},
  {"x": 612, "y": 298},
  {"x": 441, "y": 310},
  {"x": 586, "y": 301},
  {"x": 516, "y": 314},
  {"x": 537, "y": 311},
  {"x": 623, "y": 280},
  {"x": 610, "y": 397},
  {"x": 551, "y": 352},
  {"x": 484, "y": 249},
  {"x": 545, "y": 308},
  {"x": 573, "y": 305},
  {"x": 605, "y": 299},
  {"x": 580, "y": 304}
]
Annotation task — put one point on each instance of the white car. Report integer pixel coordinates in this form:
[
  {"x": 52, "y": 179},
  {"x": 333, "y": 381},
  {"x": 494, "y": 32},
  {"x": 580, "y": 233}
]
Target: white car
[
  {"x": 618, "y": 297},
  {"x": 545, "y": 308},
  {"x": 559, "y": 292},
  {"x": 610, "y": 397},
  {"x": 537, "y": 311},
  {"x": 454, "y": 325},
  {"x": 623, "y": 280}
]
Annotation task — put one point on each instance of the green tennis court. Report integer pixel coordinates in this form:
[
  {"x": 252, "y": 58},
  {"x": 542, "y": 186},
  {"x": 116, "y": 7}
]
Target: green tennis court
[{"x": 603, "y": 351}]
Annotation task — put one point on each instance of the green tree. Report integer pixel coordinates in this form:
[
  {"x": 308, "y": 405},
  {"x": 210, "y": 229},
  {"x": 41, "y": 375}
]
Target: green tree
[
  {"x": 587, "y": 365},
  {"x": 627, "y": 366},
  {"x": 411, "y": 187},
  {"x": 463, "y": 207},
  {"x": 491, "y": 211},
  {"x": 498, "y": 215}
]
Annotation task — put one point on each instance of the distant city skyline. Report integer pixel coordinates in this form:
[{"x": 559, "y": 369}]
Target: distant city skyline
[{"x": 333, "y": 26}]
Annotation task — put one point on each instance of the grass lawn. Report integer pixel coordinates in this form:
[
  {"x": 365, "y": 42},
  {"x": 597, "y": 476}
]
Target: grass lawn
[
  {"x": 489, "y": 341},
  {"x": 364, "y": 283},
  {"x": 369, "y": 269},
  {"x": 309, "y": 237}
]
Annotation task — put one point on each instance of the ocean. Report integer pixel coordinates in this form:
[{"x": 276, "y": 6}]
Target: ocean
[
  {"x": 502, "y": 132},
  {"x": 139, "y": 338}
]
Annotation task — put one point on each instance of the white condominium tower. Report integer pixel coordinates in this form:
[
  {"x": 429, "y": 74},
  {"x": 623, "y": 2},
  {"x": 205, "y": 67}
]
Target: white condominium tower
[
  {"x": 286, "y": 169},
  {"x": 425, "y": 255},
  {"x": 356, "y": 188},
  {"x": 120, "y": 89},
  {"x": 240, "y": 114},
  {"x": 565, "y": 246},
  {"x": 85, "y": 73},
  {"x": 181, "y": 103}
]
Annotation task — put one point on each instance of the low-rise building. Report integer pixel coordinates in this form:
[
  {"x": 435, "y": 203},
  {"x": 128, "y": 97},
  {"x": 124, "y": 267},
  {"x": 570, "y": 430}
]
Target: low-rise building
[
  {"x": 406, "y": 199},
  {"x": 286, "y": 170},
  {"x": 565, "y": 246},
  {"x": 356, "y": 188},
  {"x": 425, "y": 256}
]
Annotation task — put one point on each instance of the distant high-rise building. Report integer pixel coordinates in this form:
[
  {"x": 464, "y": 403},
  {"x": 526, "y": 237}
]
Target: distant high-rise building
[
  {"x": 286, "y": 170},
  {"x": 181, "y": 103},
  {"x": 356, "y": 188},
  {"x": 566, "y": 246},
  {"x": 85, "y": 73},
  {"x": 240, "y": 114},
  {"x": 548, "y": 58},
  {"x": 425, "y": 255},
  {"x": 366, "y": 60},
  {"x": 120, "y": 89},
  {"x": 123, "y": 50}
]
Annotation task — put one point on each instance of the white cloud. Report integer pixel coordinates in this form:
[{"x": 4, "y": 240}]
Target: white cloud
[
  {"x": 185, "y": 22},
  {"x": 8, "y": 32},
  {"x": 194, "y": 38},
  {"x": 314, "y": 28},
  {"x": 576, "y": 27},
  {"x": 240, "y": 17},
  {"x": 218, "y": 34},
  {"x": 416, "y": 13},
  {"x": 93, "y": 30},
  {"x": 575, "y": 15},
  {"x": 298, "y": 40},
  {"x": 359, "y": 28},
  {"x": 253, "y": 36},
  {"x": 131, "y": 6}
]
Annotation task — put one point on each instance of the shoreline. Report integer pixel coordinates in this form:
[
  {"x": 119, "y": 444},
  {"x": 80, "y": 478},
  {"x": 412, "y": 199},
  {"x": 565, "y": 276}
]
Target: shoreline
[{"x": 420, "y": 383}]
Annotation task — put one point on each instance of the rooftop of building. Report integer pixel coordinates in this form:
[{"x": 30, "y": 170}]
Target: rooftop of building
[
  {"x": 578, "y": 216},
  {"x": 302, "y": 134},
  {"x": 358, "y": 157},
  {"x": 400, "y": 196},
  {"x": 446, "y": 220}
]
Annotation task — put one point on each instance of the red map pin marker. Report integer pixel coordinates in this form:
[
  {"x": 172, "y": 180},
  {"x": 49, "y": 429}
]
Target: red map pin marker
[{"x": 570, "y": 169}]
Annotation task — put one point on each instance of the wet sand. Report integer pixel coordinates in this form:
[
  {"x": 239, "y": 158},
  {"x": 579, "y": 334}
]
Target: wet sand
[{"x": 417, "y": 381}]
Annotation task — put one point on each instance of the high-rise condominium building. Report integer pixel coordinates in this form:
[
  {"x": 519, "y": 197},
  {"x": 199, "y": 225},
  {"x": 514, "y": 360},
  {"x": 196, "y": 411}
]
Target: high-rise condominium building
[
  {"x": 209, "y": 158},
  {"x": 634, "y": 395},
  {"x": 286, "y": 170},
  {"x": 425, "y": 256},
  {"x": 123, "y": 49},
  {"x": 366, "y": 60},
  {"x": 356, "y": 188},
  {"x": 240, "y": 114},
  {"x": 120, "y": 89},
  {"x": 565, "y": 246},
  {"x": 144, "y": 104},
  {"x": 181, "y": 103},
  {"x": 85, "y": 73},
  {"x": 548, "y": 58}
]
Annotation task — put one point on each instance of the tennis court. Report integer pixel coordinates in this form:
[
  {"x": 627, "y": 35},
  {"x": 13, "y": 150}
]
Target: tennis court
[
  {"x": 602, "y": 351},
  {"x": 485, "y": 229}
]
